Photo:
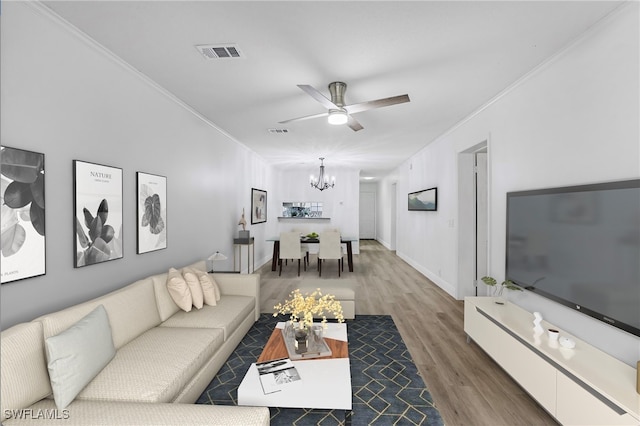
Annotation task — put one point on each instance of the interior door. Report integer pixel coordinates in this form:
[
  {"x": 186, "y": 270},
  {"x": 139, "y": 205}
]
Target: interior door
[
  {"x": 482, "y": 216},
  {"x": 367, "y": 215}
]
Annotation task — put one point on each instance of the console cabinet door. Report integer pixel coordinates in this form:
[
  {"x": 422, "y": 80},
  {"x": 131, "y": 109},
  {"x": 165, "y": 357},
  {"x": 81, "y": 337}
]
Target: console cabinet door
[
  {"x": 533, "y": 373},
  {"x": 577, "y": 406}
]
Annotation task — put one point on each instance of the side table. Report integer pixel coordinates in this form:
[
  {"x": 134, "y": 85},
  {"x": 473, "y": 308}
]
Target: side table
[{"x": 251, "y": 251}]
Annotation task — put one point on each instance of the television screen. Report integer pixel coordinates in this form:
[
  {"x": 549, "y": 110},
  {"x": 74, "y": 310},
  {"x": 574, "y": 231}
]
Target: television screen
[{"x": 579, "y": 246}]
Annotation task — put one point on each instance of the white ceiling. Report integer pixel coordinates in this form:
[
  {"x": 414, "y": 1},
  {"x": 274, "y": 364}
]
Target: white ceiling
[{"x": 451, "y": 57}]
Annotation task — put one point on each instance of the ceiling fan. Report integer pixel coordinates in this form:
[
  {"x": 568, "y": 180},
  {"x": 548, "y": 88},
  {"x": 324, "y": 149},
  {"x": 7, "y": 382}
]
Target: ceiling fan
[{"x": 337, "y": 111}]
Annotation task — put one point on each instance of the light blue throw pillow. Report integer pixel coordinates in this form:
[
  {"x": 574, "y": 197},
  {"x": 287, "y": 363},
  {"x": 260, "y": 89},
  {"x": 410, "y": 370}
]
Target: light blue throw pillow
[{"x": 78, "y": 354}]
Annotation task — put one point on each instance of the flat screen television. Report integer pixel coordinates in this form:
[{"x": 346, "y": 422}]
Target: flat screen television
[{"x": 579, "y": 246}]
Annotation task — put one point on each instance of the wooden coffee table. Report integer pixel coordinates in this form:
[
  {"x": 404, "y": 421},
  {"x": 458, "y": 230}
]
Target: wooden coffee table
[{"x": 325, "y": 384}]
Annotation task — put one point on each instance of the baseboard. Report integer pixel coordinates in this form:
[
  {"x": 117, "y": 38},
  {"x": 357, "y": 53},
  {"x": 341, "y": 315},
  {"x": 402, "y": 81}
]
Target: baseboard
[{"x": 437, "y": 280}]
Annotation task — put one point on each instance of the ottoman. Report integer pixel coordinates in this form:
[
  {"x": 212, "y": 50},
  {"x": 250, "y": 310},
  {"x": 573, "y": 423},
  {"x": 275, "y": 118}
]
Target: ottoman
[{"x": 342, "y": 289}]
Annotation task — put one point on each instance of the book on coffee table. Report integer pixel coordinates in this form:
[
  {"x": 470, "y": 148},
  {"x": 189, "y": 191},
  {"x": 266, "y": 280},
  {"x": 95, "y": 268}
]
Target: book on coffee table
[{"x": 276, "y": 373}]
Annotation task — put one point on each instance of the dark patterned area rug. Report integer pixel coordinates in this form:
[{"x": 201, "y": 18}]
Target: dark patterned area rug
[{"x": 387, "y": 389}]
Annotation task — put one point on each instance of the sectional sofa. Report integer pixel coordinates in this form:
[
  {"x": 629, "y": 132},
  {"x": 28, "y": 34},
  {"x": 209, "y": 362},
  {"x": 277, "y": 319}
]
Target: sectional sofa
[{"x": 164, "y": 358}]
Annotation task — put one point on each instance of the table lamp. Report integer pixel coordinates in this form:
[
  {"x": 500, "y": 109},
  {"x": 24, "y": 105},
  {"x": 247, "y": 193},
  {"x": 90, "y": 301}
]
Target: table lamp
[{"x": 216, "y": 257}]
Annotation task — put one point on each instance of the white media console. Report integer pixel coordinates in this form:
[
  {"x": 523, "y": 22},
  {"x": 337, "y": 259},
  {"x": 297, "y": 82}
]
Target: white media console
[{"x": 579, "y": 386}]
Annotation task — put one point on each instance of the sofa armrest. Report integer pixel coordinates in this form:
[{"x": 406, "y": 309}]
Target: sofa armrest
[
  {"x": 240, "y": 285},
  {"x": 82, "y": 413}
]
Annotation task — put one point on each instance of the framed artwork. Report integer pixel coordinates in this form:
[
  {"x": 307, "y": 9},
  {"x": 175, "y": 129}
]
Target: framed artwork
[
  {"x": 152, "y": 212},
  {"x": 258, "y": 206},
  {"x": 23, "y": 219},
  {"x": 97, "y": 207},
  {"x": 425, "y": 200}
]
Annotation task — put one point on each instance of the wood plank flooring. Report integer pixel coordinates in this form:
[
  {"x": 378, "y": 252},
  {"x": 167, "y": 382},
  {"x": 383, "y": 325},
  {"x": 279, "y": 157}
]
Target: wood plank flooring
[{"x": 467, "y": 386}]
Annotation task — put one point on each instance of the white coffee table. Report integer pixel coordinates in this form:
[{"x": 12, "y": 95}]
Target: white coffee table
[{"x": 325, "y": 382}]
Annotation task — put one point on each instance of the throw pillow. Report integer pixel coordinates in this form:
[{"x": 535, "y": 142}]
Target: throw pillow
[
  {"x": 78, "y": 354},
  {"x": 179, "y": 290},
  {"x": 210, "y": 288},
  {"x": 194, "y": 287}
]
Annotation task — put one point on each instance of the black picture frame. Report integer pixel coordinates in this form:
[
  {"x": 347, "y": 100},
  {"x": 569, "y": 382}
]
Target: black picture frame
[
  {"x": 151, "y": 209},
  {"x": 258, "y": 206},
  {"x": 97, "y": 210},
  {"x": 425, "y": 200},
  {"x": 23, "y": 214}
]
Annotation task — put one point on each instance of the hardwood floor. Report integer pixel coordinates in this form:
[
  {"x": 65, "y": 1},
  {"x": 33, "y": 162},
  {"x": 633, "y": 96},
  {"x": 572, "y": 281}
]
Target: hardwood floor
[{"x": 467, "y": 386}]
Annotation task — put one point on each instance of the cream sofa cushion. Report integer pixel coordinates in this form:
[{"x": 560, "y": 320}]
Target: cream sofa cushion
[
  {"x": 78, "y": 354},
  {"x": 164, "y": 303},
  {"x": 156, "y": 366},
  {"x": 228, "y": 314},
  {"x": 210, "y": 288},
  {"x": 24, "y": 368},
  {"x": 193, "y": 281},
  {"x": 132, "y": 310},
  {"x": 179, "y": 290}
]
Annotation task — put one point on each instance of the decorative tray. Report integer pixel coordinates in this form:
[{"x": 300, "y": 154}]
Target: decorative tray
[{"x": 313, "y": 352}]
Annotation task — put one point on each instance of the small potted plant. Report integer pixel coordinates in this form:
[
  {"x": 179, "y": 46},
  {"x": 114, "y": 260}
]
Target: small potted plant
[{"x": 498, "y": 290}]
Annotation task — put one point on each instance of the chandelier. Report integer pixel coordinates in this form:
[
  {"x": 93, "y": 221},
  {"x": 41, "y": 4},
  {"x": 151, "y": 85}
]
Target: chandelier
[{"x": 322, "y": 182}]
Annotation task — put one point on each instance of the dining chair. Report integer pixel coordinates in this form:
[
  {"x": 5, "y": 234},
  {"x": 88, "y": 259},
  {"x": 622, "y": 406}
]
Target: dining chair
[
  {"x": 305, "y": 247},
  {"x": 290, "y": 249},
  {"x": 330, "y": 247}
]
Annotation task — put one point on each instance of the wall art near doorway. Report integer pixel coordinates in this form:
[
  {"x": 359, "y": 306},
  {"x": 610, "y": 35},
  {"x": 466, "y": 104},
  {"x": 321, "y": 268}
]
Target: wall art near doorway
[
  {"x": 23, "y": 218},
  {"x": 258, "y": 206},
  {"x": 97, "y": 206},
  {"x": 152, "y": 212},
  {"x": 425, "y": 200}
]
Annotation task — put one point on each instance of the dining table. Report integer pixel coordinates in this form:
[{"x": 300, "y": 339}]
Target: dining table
[{"x": 306, "y": 240}]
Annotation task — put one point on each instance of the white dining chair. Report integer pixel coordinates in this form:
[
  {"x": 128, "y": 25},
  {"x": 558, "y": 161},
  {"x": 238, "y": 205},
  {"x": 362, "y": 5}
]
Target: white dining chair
[
  {"x": 330, "y": 247},
  {"x": 290, "y": 248},
  {"x": 305, "y": 247}
]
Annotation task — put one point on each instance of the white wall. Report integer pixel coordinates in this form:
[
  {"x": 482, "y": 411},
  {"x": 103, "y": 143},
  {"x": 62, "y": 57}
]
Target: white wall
[
  {"x": 61, "y": 95},
  {"x": 574, "y": 120},
  {"x": 340, "y": 203}
]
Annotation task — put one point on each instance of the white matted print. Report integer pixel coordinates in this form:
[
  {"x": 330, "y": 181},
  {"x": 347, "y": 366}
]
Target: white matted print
[
  {"x": 152, "y": 212},
  {"x": 97, "y": 205},
  {"x": 23, "y": 219},
  {"x": 258, "y": 206}
]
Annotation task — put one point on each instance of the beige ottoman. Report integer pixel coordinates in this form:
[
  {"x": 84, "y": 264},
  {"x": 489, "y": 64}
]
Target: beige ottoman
[{"x": 342, "y": 289}]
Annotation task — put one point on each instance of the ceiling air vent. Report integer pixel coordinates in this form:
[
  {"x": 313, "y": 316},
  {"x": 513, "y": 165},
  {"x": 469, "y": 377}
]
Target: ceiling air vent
[
  {"x": 279, "y": 131},
  {"x": 220, "y": 51}
]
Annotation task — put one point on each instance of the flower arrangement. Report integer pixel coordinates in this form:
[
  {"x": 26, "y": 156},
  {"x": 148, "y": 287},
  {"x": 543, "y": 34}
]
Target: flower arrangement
[{"x": 303, "y": 308}]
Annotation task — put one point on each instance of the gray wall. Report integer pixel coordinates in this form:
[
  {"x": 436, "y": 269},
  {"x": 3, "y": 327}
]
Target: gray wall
[{"x": 65, "y": 97}]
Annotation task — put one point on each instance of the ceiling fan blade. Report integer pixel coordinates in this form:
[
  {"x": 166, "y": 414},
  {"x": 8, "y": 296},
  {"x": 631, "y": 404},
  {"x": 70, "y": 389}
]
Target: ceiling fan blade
[
  {"x": 353, "y": 124},
  {"x": 306, "y": 117},
  {"x": 311, "y": 91},
  {"x": 379, "y": 103}
]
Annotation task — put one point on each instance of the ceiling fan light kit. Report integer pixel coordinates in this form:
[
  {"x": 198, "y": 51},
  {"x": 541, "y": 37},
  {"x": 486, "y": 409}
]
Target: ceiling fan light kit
[
  {"x": 322, "y": 182},
  {"x": 339, "y": 113},
  {"x": 337, "y": 117}
]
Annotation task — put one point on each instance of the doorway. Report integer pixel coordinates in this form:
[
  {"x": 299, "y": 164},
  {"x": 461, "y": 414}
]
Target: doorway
[
  {"x": 367, "y": 215},
  {"x": 473, "y": 219},
  {"x": 482, "y": 216}
]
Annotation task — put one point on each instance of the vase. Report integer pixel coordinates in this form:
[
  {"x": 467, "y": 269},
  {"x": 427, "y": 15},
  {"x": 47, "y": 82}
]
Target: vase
[
  {"x": 499, "y": 297},
  {"x": 301, "y": 336}
]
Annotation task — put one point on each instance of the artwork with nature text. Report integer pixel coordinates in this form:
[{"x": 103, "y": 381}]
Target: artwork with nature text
[{"x": 97, "y": 205}]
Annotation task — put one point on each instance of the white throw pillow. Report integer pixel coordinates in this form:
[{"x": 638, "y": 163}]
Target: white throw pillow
[
  {"x": 179, "y": 290},
  {"x": 210, "y": 288},
  {"x": 193, "y": 281},
  {"x": 78, "y": 354}
]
